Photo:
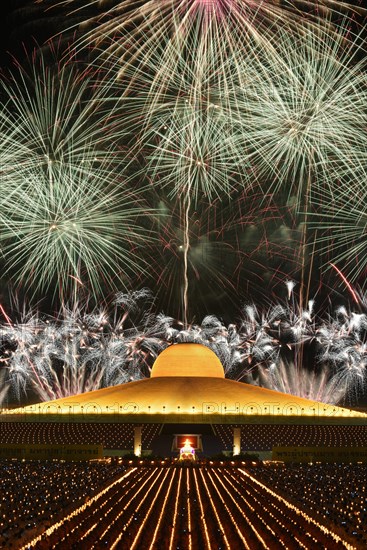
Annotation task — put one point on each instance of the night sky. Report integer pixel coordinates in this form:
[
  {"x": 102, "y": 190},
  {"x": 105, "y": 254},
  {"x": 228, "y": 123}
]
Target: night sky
[
  {"x": 250, "y": 263},
  {"x": 235, "y": 257}
]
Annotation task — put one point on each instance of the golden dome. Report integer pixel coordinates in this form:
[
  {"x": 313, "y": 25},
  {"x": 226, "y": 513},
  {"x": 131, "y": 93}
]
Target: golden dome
[{"x": 187, "y": 360}]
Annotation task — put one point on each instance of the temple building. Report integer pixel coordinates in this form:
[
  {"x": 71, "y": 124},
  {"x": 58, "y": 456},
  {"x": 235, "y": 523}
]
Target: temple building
[{"x": 187, "y": 396}]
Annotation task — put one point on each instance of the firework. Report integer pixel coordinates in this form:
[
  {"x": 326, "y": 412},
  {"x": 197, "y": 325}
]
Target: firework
[
  {"x": 184, "y": 137},
  {"x": 68, "y": 232},
  {"x": 302, "y": 117},
  {"x": 54, "y": 115},
  {"x": 266, "y": 335},
  {"x": 274, "y": 344},
  {"x": 341, "y": 220},
  {"x": 193, "y": 157},
  {"x": 322, "y": 385},
  {"x": 68, "y": 217},
  {"x": 185, "y": 75},
  {"x": 178, "y": 17},
  {"x": 81, "y": 350},
  {"x": 343, "y": 348}
]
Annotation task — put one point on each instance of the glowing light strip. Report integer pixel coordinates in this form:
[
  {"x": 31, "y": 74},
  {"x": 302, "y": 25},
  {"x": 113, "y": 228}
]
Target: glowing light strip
[
  {"x": 99, "y": 511},
  {"x": 136, "y": 540},
  {"x": 247, "y": 504},
  {"x": 188, "y": 504},
  {"x": 214, "y": 510},
  {"x": 281, "y": 513},
  {"x": 234, "y": 522},
  {"x": 202, "y": 512},
  {"x": 136, "y": 509},
  {"x": 263, "y": 520},
  {"x": 115, "y": 503},
  {"x": 175, "y": 511},
  {"x": 163, "y": 511}
]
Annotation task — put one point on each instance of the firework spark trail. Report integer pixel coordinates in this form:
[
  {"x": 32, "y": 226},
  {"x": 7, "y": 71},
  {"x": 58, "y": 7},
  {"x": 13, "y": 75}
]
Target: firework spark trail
[
  {"x": 340, "y": 369},
  {"x": 230, "y": 239},
  {"x": 191, "y": 158},
  {"x": 341, "y": 220},
  {"x": 195, "y": 148},
  {"x": 5, "y": 315},
  {"x": 209, "y": 34},
  {"x": 151, "y": 40},
  {"x": 186, "y": 252},
  {"x": 190, "y": 154},
  {"x": 22, "y": 367},
  {"x": 186, "y": 119},
  {"x": 348, "y": 285}
]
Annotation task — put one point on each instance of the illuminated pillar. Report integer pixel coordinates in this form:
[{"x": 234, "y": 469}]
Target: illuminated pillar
[
  {"x": 236, "y": 441},
  {"x": 137, "y": 440}
]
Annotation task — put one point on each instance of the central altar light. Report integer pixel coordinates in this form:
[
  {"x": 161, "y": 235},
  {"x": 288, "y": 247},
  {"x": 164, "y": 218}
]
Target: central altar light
[{"x": 187, "y": 452}]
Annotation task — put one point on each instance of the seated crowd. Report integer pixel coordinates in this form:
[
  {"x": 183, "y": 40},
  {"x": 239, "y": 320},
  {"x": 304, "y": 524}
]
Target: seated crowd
[
  {"x": 256, "y": 437},
  {"x": 336, "y": 493},
  {"x": 102, "y": 504},
  {"x": 33, "y": 493},
  {"x": 109, "y": 435}
]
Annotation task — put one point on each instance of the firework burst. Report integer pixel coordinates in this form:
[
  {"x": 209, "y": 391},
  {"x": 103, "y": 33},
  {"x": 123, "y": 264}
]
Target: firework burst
[
  {"x": 68, "y": 231},
  {"x": 343, "y": 348},
  {"x": 194, "y": 156},
  {"x": 67, "y": 215},
  {"x": 48, "y": 113},
  {"x": 302, "y": 118},
  {"x": 321, "y": 385},
  {"x": 82, "y": 350},
  {"x": 177, "y": 17}
]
